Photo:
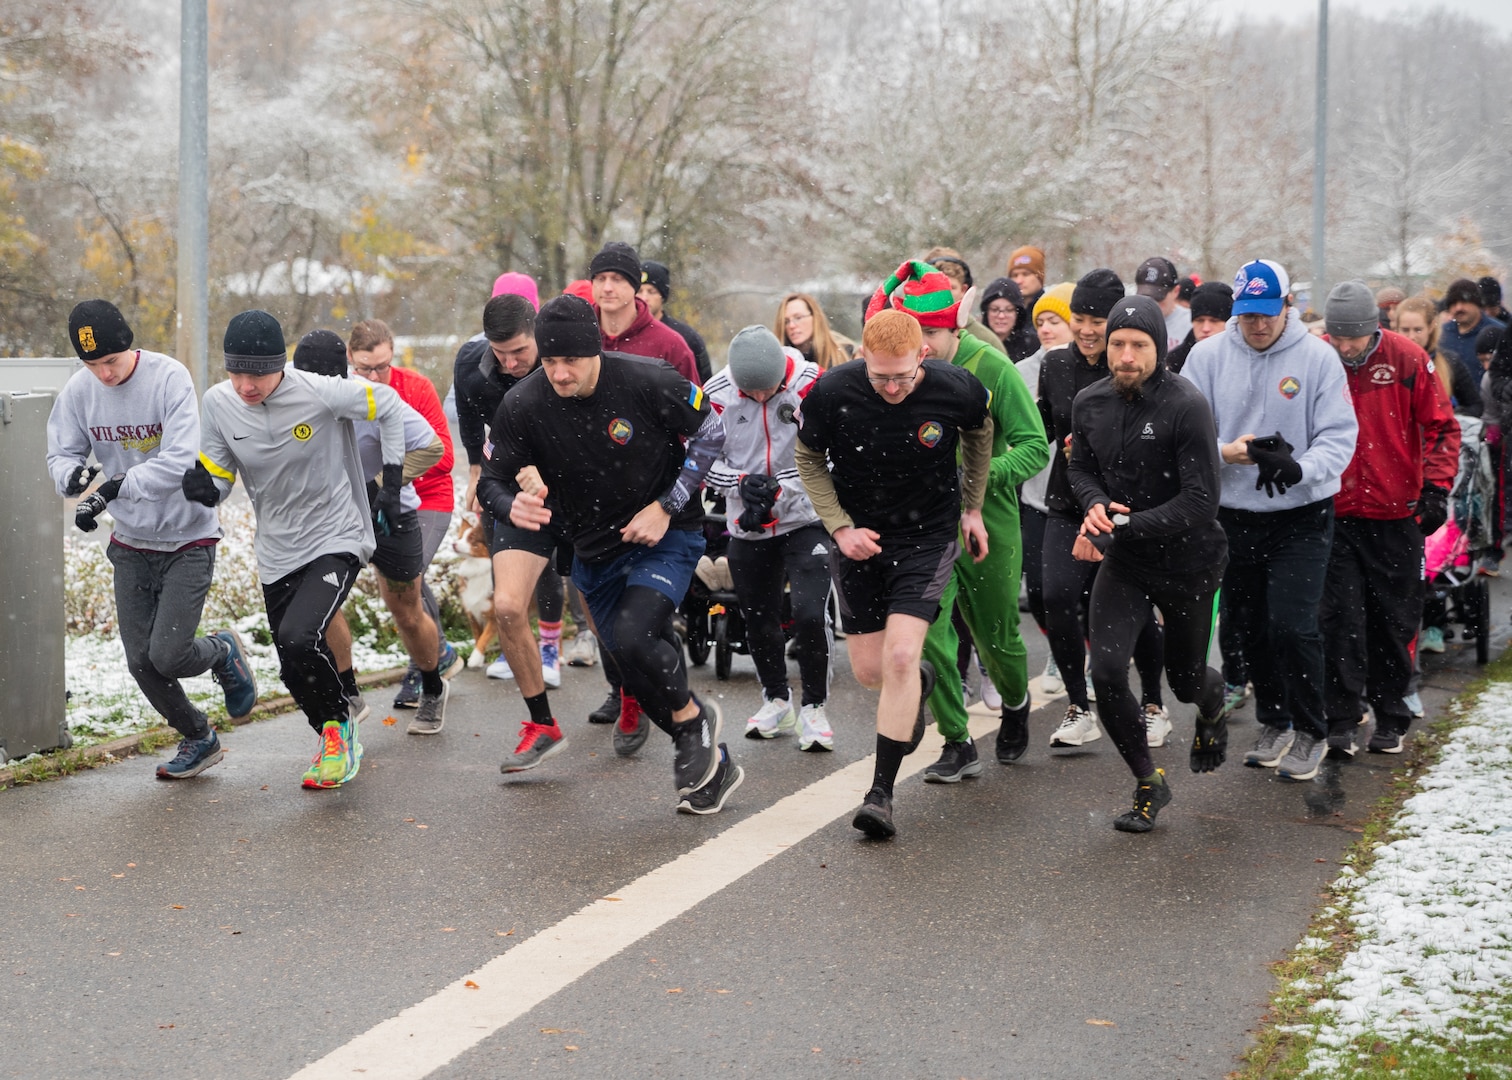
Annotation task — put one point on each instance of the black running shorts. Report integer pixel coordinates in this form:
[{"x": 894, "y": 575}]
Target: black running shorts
[
  {"x": 905, "y": 579},
  {"x": 400, "y": 555}
]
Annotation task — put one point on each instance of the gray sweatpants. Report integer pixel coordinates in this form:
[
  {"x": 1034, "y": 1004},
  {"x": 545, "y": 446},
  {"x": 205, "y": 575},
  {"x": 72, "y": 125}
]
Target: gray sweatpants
[{"x": 159, "y": 596}]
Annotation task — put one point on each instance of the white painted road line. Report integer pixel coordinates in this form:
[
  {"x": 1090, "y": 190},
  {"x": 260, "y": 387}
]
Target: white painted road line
[{"x": 426, "y": 1036}]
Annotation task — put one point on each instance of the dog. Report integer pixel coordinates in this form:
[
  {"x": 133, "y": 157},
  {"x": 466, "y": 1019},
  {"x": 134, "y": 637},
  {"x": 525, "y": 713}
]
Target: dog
[{"x": 476, "y": 572}]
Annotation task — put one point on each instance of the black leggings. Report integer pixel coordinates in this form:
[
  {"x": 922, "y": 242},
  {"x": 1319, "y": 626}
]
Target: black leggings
[
  {"x": 549, "y": 595},
  {"x": 1032, "y": 532},
  {"x": 758, "y": 568},
  {"x": 1120, "y": 605},
  {"x": 648, "y": 656},
  {"x": 301, "y": 606},
  {"x": 1067, "y": 591}
]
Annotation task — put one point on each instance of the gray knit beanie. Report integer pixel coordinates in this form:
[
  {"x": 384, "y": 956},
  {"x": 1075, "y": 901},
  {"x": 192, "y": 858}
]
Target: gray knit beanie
[
  {"x": 1351, "y": 310},
  {"x": 757, "y": 361}
]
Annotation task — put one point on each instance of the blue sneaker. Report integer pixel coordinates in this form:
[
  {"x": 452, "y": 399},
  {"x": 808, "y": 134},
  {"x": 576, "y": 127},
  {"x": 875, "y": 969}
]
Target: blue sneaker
[
  {"x": 194, "y": 757},
  {"x": 451, "y": 661},
  {"x": 235, "y": 676},
  {"x": 551, "y": 664}
]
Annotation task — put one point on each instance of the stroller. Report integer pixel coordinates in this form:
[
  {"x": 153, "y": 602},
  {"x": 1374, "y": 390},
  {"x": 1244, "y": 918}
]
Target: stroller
[
  {"x": 1451, "y": 553},
  {"x": 710, "y": 614}
]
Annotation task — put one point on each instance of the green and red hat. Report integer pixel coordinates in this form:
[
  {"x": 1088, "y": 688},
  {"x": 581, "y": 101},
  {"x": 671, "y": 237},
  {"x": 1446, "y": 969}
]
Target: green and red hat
[{"x": 918, "y": 289}]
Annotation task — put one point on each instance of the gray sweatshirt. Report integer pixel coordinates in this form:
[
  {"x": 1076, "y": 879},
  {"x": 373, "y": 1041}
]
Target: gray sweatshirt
[
  {"x": 1296, "y": 387},
  {"x": 418, "y": 435},
  {"x": 147, "y": 427},
  {"x": 299, "y": 463}
]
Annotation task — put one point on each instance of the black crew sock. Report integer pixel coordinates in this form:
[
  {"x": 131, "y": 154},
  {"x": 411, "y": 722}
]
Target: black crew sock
[
  {"x": 890, "y": 755},
  {"x": 540, "y": 709},
  {"x": 348, "y": 682},
  {"x": 431, "y": 684}
]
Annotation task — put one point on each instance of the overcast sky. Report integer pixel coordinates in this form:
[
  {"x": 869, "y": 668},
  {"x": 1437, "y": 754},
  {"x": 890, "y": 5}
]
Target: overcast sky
[{"x": 1497, "y": 13}]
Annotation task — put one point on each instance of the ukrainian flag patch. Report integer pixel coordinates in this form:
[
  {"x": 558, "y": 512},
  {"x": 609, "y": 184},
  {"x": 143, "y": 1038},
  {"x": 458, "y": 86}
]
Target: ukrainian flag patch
[{"x": 695, "y": 396}]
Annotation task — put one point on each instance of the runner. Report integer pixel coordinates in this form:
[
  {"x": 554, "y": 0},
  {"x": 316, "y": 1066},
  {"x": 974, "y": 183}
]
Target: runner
[
  {"x": 877, "y": 454},
  {"x": 280, "y": 429},
  {"x": 775, "y": 535},
  {"x": 134, "y": 410},
  {"x": 592, "y": 450},
  {"x": 655, "y": 290},
  {"x": 1144, "y": 464}
]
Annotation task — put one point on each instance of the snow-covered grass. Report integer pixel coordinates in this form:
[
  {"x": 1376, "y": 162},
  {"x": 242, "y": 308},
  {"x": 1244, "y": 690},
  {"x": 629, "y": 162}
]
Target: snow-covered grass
[{"x": 1424, "y": 985}]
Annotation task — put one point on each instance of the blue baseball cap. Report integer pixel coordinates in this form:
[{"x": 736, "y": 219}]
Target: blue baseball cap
[{"x": 1261, "y": 287}]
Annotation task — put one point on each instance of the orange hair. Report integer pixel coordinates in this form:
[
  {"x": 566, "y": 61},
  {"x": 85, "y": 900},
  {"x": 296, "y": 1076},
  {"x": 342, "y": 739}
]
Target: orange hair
[{"x": 892, "y": 333}]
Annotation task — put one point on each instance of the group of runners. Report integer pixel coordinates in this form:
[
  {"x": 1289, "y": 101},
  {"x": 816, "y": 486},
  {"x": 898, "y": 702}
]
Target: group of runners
[{"x": 1150, "y": 464}]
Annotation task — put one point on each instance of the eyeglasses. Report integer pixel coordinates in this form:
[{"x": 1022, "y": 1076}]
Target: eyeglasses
[
  {"x": 376, "y": 369},
  {"x": 901, "y": 380},
  {"x": 792, "y": 319}
]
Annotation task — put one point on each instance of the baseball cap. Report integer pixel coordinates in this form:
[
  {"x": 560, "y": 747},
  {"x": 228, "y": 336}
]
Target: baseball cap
[
  {"x": 1155, "y": 278},
  {"x": 1261, "y": 288}
]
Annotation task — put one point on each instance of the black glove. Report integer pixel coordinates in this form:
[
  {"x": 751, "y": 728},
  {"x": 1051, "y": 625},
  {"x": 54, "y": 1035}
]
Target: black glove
[
  {"x": 385, "y": 502},
  {"x": 199, "y": 485},
  {"x": 1433, "y": 509},
  {"x": 1278, "y": 469},
  {"x": 89, "y": 508},
  {"x": 112, "y": 487},
  {"x": 759, "y": 494},
  {"x": 80, "y": 479}
]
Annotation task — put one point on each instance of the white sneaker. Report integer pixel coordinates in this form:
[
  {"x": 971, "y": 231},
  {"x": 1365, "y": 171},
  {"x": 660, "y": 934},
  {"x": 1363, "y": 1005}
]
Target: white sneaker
[
  {"x": 1157, "y": 720},
  {"x": 1051, "y": 682},
  {"x": 774, "y": 718},
  {"x": 500, "y": 669},
  {"x": 990, "y": 696},
  {"x": 1077, "y": 729},
  {"x": 814, "y": 732},
  {"x": 584, "y": 650},
  {"x": 551, "y": 664}
]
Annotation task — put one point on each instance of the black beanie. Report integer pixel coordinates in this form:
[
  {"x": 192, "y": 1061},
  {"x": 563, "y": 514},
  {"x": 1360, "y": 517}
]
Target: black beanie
[
  {"x": 618, "y": 258},
  {"x": 1488, "y": 339},
  {"x": 1096, "y": 292},
  {"x": 1491, "y": 291},
  {"x": 97, "y": 328},
  {"x": 1213, "y": 299},
  {"x": 657, "y": 274},
  {"x": 1003, "y": 289},
  {"x": 1463, "y": 291},
  {"x": 322, "y": 352},
  {"x": 254, "y": 344},
  {"x": 566, "y": 326},
  {"x": 1144, "y": 314}
]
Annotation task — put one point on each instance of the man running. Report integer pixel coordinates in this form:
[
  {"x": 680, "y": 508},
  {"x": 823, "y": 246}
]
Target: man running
[
  {"x": 134, "y": 410},
  {"x": 593, "y": 450},
  {"x": 280, "y": 429},
  {"x": 877, "y": 441},
  {"x": 1144, "y": 464}
]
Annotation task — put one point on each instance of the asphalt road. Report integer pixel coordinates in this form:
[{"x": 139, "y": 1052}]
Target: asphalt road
[{"x": 237, "y": 926}]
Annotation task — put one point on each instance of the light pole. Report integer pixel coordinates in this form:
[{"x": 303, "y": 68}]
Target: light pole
[
  {"x": 1320, "y": 164},
  {"x": 194, "y": 192}
]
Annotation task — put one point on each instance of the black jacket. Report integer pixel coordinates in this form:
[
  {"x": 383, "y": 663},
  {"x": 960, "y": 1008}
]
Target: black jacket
[
  {"x": 695, "y": 343},
  {"x": 1177, "y": 357},
  {"x": 1155, "y": 452},
  {"x": 480, "y": 387},
  {"x": 1064, "y": 373}
]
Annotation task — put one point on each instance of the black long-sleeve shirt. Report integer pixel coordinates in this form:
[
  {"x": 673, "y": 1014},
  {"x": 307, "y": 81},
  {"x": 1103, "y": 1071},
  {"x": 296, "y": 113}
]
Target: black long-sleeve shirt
[
  {"x": 1064, "y": 373},
  {"x": 480, "y": 387}
]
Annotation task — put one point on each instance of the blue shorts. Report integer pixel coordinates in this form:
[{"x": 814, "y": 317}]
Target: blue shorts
[{"x": 667, "y": 568}]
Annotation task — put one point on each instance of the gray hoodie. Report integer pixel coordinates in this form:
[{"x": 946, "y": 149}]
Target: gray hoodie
[{"x": 1296, "y": 387}]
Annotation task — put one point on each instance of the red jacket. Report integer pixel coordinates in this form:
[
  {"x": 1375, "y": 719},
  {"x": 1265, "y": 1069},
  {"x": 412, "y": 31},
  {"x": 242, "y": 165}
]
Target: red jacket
[
  {"x": 435, "y": 488},
  {"x": 1408, "y": 434},
  {"x": 648, "y": 337}
]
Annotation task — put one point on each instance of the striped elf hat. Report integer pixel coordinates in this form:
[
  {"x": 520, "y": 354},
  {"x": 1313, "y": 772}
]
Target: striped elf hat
[{"x": 920, "y": 290}]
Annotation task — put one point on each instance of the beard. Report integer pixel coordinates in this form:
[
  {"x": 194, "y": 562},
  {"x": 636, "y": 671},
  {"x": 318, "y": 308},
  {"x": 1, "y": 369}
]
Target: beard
[{"x": 1130, "y": 383}]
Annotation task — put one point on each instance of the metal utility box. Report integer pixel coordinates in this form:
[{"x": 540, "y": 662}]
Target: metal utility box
[
  {"x": 32, "y": 689},
  {"x": 36, "y": 374}
]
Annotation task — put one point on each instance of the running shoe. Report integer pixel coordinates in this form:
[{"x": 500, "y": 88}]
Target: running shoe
[
  {"x": 1341, "y": 739},
  {"x": 609, "y": 711},
  {"x": 339, "y": 758},
  {"x": 1235, "y": 695},
  {"x": 500, "y": 669},
  {"x": 551, "y": 664},
  {"x": 926, "y": 687},
  {"x": 1303, "y": 758},
  {"x": 194, "y": 757},
  {"x": 450, "y": 663},
  {"x": 1077, "y": 729},
  {"x": 1149, "y": 796},
  {"x": 1013, "y": 733},
  {"x": 814, "y": 734},
  {"x": 958, "y": 760},
  {"x": 1051, "y": 682},
  {"x": 1270, "y": 747},
  {"x": 234, "y": 674},
  {"x": 1414, "y": 703},
  {"x": 537, "y": 743},
  {"x": 990, "y": 696},
  {"x": 583, "y": 650},
  {"x": 875, "y": 817},
  {"x": 408, "y": 696},
  {"x": 695, "y": 748},
  {"x": 430, "y": 718},
  {"x": 1487, "y": 566},
  {"x": 357, "y": 708},
  {"x": 1209, "y": 742},
  {"x": 1385, "y": 742},
  {"x": 711, "y": 798},
  {"x": 1157, "y": 720},
  {"x": 633, "y": 726},
  {"x": 775, "y": 717},
  {"x": 1431, "y": 639}
]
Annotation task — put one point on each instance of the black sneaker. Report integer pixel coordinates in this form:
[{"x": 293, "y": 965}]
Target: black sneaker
[
  {"x": 1385, "y": 742},
  {"x": 695, "y": 748},
  {"x": 1341, "y": 740},
  {"x": 1013, "y": 735},
  {"x": 875, "y": 816},
  {"x": 1209, "y": 747},
  {"x": 194, "y": 757},
  {"x": 926, "y": 687},
  {"x": 408, "y": 696},
  {"x": 710, "y": 798},
  {"x": 633, "y": 727},
  {"x": 609, "y": 711},
  {"x": 1149, "y": 797},
  {"x": 957, "y": 761}
]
